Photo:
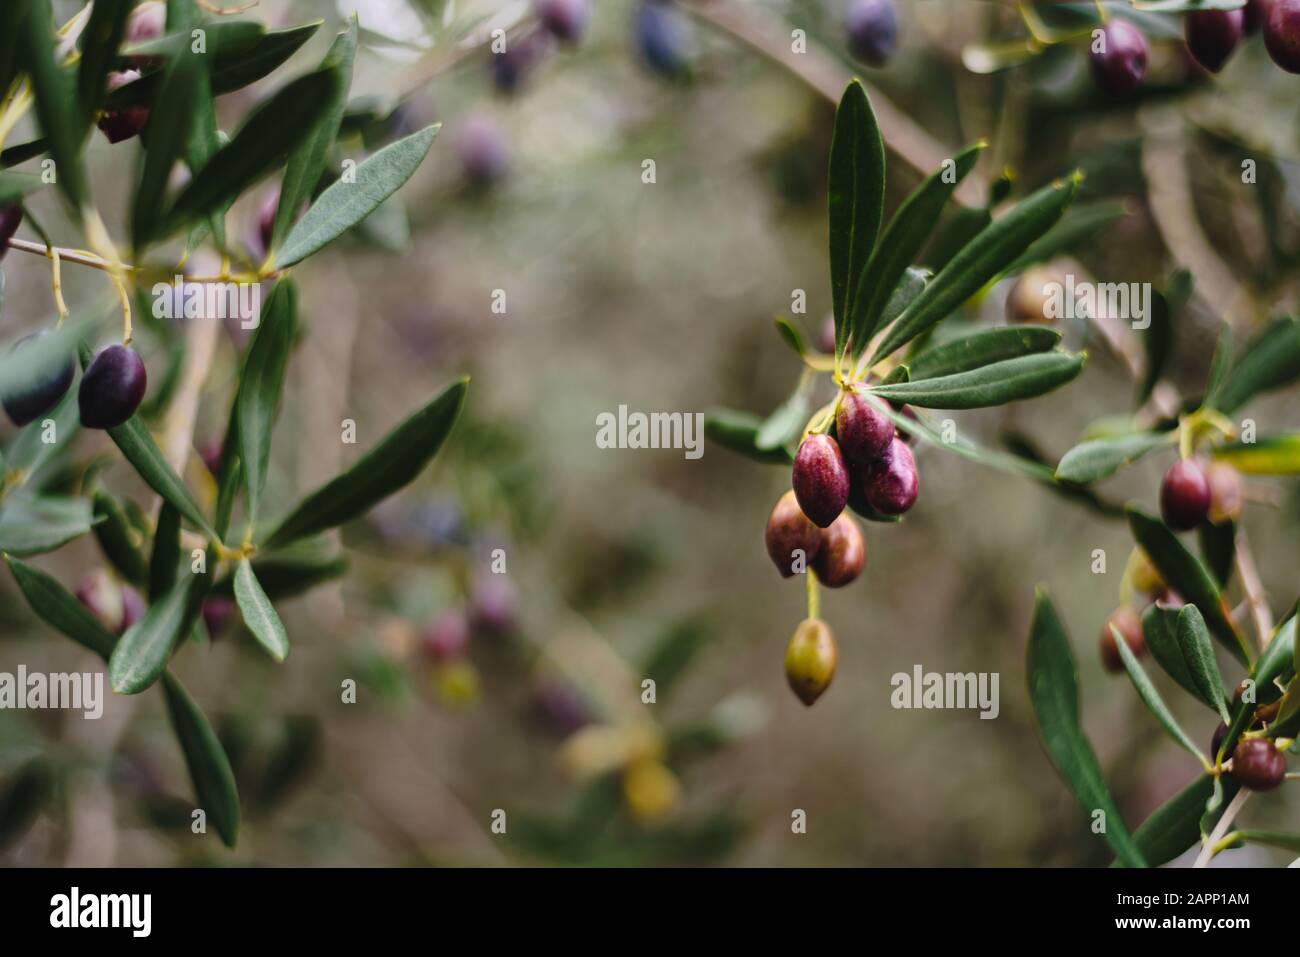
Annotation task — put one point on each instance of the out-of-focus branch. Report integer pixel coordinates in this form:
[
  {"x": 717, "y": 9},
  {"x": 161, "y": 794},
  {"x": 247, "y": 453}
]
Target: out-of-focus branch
[
  {"x": 1254, "y": 589},
  {"x": 822, "y": 73}
]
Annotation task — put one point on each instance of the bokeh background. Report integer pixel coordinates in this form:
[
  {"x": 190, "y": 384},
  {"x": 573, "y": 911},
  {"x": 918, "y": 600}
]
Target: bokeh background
[{"x": 624, "y": 564}]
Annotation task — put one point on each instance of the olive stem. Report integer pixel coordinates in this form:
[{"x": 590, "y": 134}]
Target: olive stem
[
  {"x": 56, "y": 283},
  {"x": 1254, "y": 589},
  {"x": 1225, "y": 822},
  {"x": 814, "y": 596}
]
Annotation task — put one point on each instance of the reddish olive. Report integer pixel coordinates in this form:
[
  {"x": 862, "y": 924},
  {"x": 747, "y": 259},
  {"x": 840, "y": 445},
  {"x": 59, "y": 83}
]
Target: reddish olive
[
  {"x": 892, "y": 484},
  {"x": 1125, "y": 619},
  {"x": 1184, "y": 496},
  {"x": 10, "y": 218},
  {"x": 1216, "y": 741},
  {"x": 119, "y": 125},
  {"x": 1282, "y": 34},
  {"x": 111, "y": 388},
  {"x": 1119, "y": 58},
  {"x": 862, "y": 429},
  {"x": 565, "y": 19},
  {"x": 792, "y": 539},
  {"x": 218, "y": 615},
  {"x": 1212, "y": 35},
  {"x": 821, "y": 479},
  {"x": 842, "y": 554},
  {"x": 1258, "y": 764}
]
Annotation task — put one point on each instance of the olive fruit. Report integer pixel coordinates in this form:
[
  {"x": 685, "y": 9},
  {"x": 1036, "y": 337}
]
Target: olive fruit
[
  {"x": 662, "y": 36},
  {"x": 512, "y": 65},
  {"x": 1126, "y": 621},
  {"x": 821, "y": 479},
  {"x": 810, "y": 660},
  {"x": 892, "y": 483},
  {"x": 790, "y": 530},
  {"x": 492, "y": 606},
  {"x": 103, "y": 598},
  {"x": 1216, "y": 741},
  {"x": 10, "y": 218},
  {"x": 1254, "y": 13},
  {"x": 1225, "y": 492},
  {"x": 482, "y": 149},
  {"x": 650, "y": 789},
  {"x": 29, "y": 400},
  {"x": 1258, "y": 764},
  {"x": 218, "y": 615},
  {"x": 145, "y": 23},
  {"x": 565, "y": 19},
  {"x": 447, "y": 636},
  {"x": 1282, "y": 34},
  {"x": 872, "y": 27},
  {"x": 1119, "y": 58},
  {"x": 132, "y": 607},
  {"x": 826, "y": 337},
  {"x": 862, "y": 429},
  {"x": 119, "y": 125},
  {"x": 111, "y": 388},
  {"x": 1212, "y": 35},
  {"x": 1184, "y": 496},
  {"x": 1144, "y": 576},
  {"x": 842, "y": 554}
]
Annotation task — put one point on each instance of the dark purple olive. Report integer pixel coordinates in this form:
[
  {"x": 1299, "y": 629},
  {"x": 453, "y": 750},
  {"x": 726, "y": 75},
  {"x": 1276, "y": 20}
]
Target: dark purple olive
[
  {"x": 663, "y": 37},
  {"x": 565, "y": 19},
  {"x": 1184, "y": 496},
  {"x": 872, "y": 27},
  {"x": 790, "y": 530},
  {"x": 28, "y": 401},
  {"x": 210, "y": 451},
  {"x": 447, "y": 636},
  {"x": 1282, "y": 34},
  {"x": 119, "y": 125},
  {"x": 1119, "y": 61},
  {"x": 218, "y": 615},
  {"x": 843, "y": 553},
  {"x": 892, "y": 484},
  {"x": 1254, "y": 13},
  {"x": 492, "y": 606},
  {"x": 1258, "y": 764},
  {"x": 482, "y": 149},
  {"x": 145, "y": 23},
  {"x": 10, "y": 218},
  {"x": 266, "y": 221},
  {"x": 1212, "y": 35},
  {"x": 821, "y": 479},
  {"x": 513, "y": 64},
  {"x": 1216, "y": 741},
  {"x": 862, "y": 429},
  {"x": 111, "y": 388}
]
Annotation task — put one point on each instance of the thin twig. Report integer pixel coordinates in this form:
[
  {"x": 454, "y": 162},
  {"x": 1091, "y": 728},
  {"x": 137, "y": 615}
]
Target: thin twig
[
  {"x": 1225, "y": 822},
  {"x": 1254, "y": 588}
]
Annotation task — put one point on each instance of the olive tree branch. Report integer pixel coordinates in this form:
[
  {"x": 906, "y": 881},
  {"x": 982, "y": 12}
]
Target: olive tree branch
[{"x": 1209, "y": 847}]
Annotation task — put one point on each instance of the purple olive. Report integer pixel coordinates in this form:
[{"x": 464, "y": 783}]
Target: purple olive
[
  {"x": 1119, "y": 64},
  {"x": 872, "y": 27},
  {"x": 843, "y": 553},
  {"x": 862, "y": 429},
  {"x": 1216, "y": 741},
  {"x": 565, "y": 19},
  {"x": 103, "y": 598},
  {"x": 790, "y": 530},
  {"x": 1184, "y": 496},
  {"x": 447, "y": 636},
  {"x": 482, "y": 149},
  {"x": 28, "y": 401},
  {"x": 132, "y": 607},
  {"x": 826, "y": 337},
  {"x": 517, "y": 60},
  {"x": 663, "y": 37},
  {"x": 119, "y": 125},
  {"x": 1125, "y": 619},
  {"x": 10, "y": 218},
  {"x": 821, "y": 479},
  {"x": 1254, "y": 13},
  {"x": 1258, "y": 764},
  {"x": 1282, "y": 34},
  {"x": 111, "y": 388},
  {"x": 892, "y": 484},
  {"x": 266, "y": 220},
  {"x": 218, "y": 615},
  {"x": 1212, "y": 35}
]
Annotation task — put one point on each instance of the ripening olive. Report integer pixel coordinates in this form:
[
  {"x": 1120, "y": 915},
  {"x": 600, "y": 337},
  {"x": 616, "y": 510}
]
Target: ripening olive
[
  {"x": 872, "y": 27},
  {"x": 821, "y": 479},
  {"x": 893, "y": 484},
  {"x": 842, "y": 554},
  {"x": 791, "y": 536},
  {"x": 1184, "y": 496},
  {"x": 810, "y": 660},
  {"x": 862, "y": 429},
  {"x": 1258, "y": 764},
  {"x": 1125, "y": 619},
  {"x": 112, "y": 387},
  {"x": 1212, "y": 35},
  {"x": 1119, "y": 58}
]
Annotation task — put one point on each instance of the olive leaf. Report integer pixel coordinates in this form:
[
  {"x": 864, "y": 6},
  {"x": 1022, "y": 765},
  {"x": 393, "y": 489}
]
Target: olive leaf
[
  {"x": 787, "y": 420},
  {"x": 14, "y": 186},
  {"x": 1278, "y": 839},
  {"x": 259, "y": 614},
  {"x": 1220, "y": 364},
  {"x": 1160, "y": 631},
  {"x": 1076, "y": 225},
  {"x": 855, "y": 200},
  {"x": 57, "y": 607},
  {"x": 1267, "y": 455},
  {"x": 166, "y": 552},
  {"x": 901, "y": 242},
  {"x": 214, "y": 781},
  {"x": 1149, "y": 695},
  {"x": 980, "y": 260},
  {"x": 791, "y": 336},
  {"x": 980, "y": 349},
  {"x": 1270, "y": 361},
  {"x": 995, "y": 384},
  {"x": 1012, "y": 464},
  {"x": 307, "y": 163},
  {"x": 260, "y": 387},
  {"x": 290, "y": 572},
  {"x": 395, "y": 461},
  {"x": 99, "y": 43},
  {"x": 165, "y": 138},
  {"x": 1175, "y": 826},
  {"x": 58, "y": 109},
  {"x": 1093, "y": 461},
  {"x": 142, "y": 652},
  {"x": 1185, "y": 574},
  {"x": 738, "y": 431},
  {"x": 1194, "y": 642},
  {"x": 116, "y": 538},
  {"x": 38, "y": 524},
  {"x": 350, "y": 199},
  {"x": 1054, "y": 694},
  {"x": 29, "y": 451},
  {"x": 1219, "y": 549}
]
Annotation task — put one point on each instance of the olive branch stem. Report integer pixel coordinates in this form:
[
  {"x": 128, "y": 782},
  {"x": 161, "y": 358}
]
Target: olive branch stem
[{"x": 1214, "y": 843}]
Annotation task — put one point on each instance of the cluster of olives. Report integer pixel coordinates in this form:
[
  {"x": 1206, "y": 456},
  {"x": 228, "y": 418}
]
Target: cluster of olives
[
  {"x": 860, "y": 463},
  {"x": 1119, "y": 63}
]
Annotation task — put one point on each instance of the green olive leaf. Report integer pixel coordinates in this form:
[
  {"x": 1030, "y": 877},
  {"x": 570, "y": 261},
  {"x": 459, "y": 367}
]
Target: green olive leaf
[
  {"x": 57, "y": 607},
  {"x": 1054, "y": 694},
  {"x": 980, "y": 349},
  {"x": 214, "y": 781},
  {"x": 1149, "y": 695},
  {"x": 118, "y": 538},
  {"x": 1078, "y": 224},
  {"x": 58, "y": 109},
  {"x": 1267, "y": 455},
  {"x": 350, "y": 200},
  {"x": 1219, "y": 549},
  {"x": 787, "y": 420},
  {"x": 394, "y": 462},
  {"x": 260, "y": 387},
  {"x": 1175, "y": 825},
  {"x": 291, "y": 572},
  {"x": 1194, "y": 642},
  {"x": 166, "y": 552},
  {"x": 99, "y": 43},
  {"x": 995, "y": 384},
  {"x": 791, "y": 336},
  {"x": 259, "y": 614},
  {"x": 1093, "y": 461},
  {"x": 738, "y": 431},
  {"x": 142, "y": 652},
  {"x": 38, "y": 524},
  {"x": 1270, "y": 361},
  {"x": 165, "y": 139},
  {"x": 1160, "y": 631}
]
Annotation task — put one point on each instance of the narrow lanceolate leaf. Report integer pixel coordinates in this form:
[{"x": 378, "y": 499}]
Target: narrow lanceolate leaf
[
  {"x": 856, "y": 199},
  {"x": 1157, "y": 342},
  {"x": 30, "y": 450},
  {"x": 142, "y": 653},
  {"x": 1054, "y": 693},
  {"x": 166, "y": 552},
  {"x": 1074, "y": 227},
  {"x": 58, "y": 109},
  {"x": 99, "y": 42},
  {"x": 995, "y": 384},
  {"x": 1160, "y": 631},
  {"x": 33, "y": 526},
  {"x": 738, "y": 431},
  {"x": 1267, "y": 455},
  {"x": 393, "y": 463},
  {"x": 118, "y": 539},
  {"x": 1219, "y": 549},
  {"x": 59, "y": 609},
  {"x": 170, "y": 120},
  {"x": 1270, "y": 361},
  {"x": 346, "y": 202},
  {"x": 14, "y": 186},
  {"x": 259, "y": 614},
  {"x": 260, "y": 387},
  {"x": 1220, "y": 364},
  {"x": 214, "y": 781},
  {"x": 787, "y": 420},
  {"x": 1286, "y": 842},
  {"x": 1194, "y": 641},
  {"x": 901, "y": 243},
  {"x": 1093, "y": 461},
  {"x": 291, "y": 572},
  {"x": 307, "y": 162},
  {"x": 1150, "y": 696},
  {"x": 980, "y": 349},
  {"x": 790, "y": 335},
  {"x": 981, "y": 259},
  {"x": 1186, "y": 575},
  {"x": 274, "y": 130},
  {"x": 1175, "y": 825}
]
